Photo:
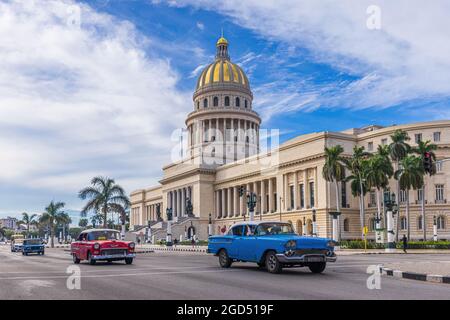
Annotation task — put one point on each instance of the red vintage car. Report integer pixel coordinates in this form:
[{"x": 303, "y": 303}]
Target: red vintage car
[{"x": 102, "y": 245}]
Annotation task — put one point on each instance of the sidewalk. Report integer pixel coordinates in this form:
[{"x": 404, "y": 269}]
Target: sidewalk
[
  {"x": 437, "y": 271},
  {"x": 348, "y": 252}
]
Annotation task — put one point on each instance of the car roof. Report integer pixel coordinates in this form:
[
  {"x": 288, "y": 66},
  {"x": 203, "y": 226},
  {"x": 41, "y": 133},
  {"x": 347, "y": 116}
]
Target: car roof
[
  {"x": 255, "y": 223},
  {"x": 93, "y": 230}
]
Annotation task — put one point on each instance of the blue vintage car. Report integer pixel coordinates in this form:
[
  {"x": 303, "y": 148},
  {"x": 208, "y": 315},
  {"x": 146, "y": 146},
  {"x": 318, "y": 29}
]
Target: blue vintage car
[
  {"x": 32, "y": 246},
  {"x": 272, "y": 245}
]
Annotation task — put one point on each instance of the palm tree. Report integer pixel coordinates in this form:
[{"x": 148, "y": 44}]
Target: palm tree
[
  {"x": 410, "y": 176},
  {"x": 106, "y": 197},
  {"x": 421, "y": 149},
  {"x": 398, "y": 149},
  {"x": 52, "y": 217},
  {"x": 379, "y": 171},
  {"x": 357, "y": 166},
  {"x": 334, "y": 171},
  {"x": 28, "y": 220}
]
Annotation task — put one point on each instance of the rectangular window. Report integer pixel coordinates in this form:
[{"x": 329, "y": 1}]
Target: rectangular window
[
  {"x": 291, "y": 195},
  {"x": 439, "y": 166},
  {"x": 311, "y": 193},
  {"x": 419, "y": 195},
  {"x": 418, "y": 137},
  {"x": 439, "y": 192},
  {"x": 437, "y": 136},
  {"x": 343, "y": 194},
  {"x": 302, "y": 196},
  {"x": 373, "y": 198},
  {"x": 370, "y": 146},
  {"x": 384, "y": 141},
  {"x": 402, "y": 196}
]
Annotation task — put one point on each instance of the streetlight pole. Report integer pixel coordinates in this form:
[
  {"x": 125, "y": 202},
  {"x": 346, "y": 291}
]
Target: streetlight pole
[
  {"x": 210, "y": 226},
  {"x": 314, "y": 223},
  {"x": 389, "y": 200},
  {"x": 435, "y": 235},
  {"x": 169, "y": 227}
]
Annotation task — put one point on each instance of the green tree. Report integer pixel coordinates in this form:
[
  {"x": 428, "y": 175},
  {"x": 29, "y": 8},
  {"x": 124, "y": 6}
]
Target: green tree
[
  {"x": 398, "y": 150},
  {"x": 105, "y": 196},
  {"x": 410, "y": 177},
  {"x": 334, "y": 171},
  {"x": 379, "y": 171},
  {"x": 53, "y": 216},
  {"x": 83, "y": 223},
  {"x": 28, "y": 220},
  {"x": 357, "y": 166},
  {"x": 421, "y": 149}
]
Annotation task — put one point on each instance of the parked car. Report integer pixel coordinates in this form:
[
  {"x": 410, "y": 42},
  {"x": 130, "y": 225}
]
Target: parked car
[
  {"x": 272, "y": 245},
  {"x": 33, "y": 246},
  {"x": 102, "y": 245},
  {"x": 16, "y": 245}
]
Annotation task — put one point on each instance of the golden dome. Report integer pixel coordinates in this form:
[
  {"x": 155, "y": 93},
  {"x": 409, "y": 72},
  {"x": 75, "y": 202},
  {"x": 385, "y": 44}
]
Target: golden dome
[
  {"x": 222, "y": 40},
  {"x": 222, "y": 71}
]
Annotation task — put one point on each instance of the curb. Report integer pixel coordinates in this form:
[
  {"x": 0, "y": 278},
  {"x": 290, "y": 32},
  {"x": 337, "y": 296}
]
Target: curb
[
  {"x": 172, "y": 249},
  {"x": 415, "y": 276}
]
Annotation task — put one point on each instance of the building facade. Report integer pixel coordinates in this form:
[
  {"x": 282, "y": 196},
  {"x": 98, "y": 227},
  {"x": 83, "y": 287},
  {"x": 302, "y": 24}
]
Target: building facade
[
  {"x": 8, "y": 223},
  {"x": 223, "y": 153}
]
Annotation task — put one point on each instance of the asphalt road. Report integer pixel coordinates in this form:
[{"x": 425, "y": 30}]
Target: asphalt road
[{"x": 197, "y": 276}]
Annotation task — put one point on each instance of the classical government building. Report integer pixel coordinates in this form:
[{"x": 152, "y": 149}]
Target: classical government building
[{"x": 223, "y": 153}]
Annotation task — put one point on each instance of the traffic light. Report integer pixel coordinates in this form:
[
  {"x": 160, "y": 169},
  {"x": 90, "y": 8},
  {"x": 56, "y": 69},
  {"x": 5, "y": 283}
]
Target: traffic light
[{"x": 428, "y": 163}]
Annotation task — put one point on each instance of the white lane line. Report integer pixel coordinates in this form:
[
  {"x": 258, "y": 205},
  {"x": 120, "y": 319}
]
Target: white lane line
[
  {"x": 102, "y": 270},
  {"x": 122, "y": 275}
]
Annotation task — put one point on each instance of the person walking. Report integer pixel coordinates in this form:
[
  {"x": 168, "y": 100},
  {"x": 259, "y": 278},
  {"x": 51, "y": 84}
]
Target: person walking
[{"x": 405, "y": 243}]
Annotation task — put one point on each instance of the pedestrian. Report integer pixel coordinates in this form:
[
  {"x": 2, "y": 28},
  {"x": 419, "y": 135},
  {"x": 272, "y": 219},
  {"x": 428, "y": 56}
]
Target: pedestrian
[
  {"x": 139, "y": 240},
  {"x": 405, "y": 243},
  {"x": 193, "y": 242}
]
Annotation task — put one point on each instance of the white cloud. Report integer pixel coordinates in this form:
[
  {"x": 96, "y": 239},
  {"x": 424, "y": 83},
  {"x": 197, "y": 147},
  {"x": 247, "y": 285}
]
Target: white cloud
[
  {"x": 200, "y": 26},
  {"x": 408, "y": 59},
  {"x": 79, "y": 101}
]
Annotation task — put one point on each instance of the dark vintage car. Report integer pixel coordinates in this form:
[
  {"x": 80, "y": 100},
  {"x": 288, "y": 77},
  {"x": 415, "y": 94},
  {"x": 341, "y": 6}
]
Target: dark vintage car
[
  {"x": 272, "y": 245},
  {"x": 102, "y": 245},
  {"x": 33, "y": 246}
]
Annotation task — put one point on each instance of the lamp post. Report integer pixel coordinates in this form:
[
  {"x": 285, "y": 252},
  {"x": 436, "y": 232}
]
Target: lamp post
[
  {"x": 149, "y": 232},
  {"x": 210, "y": 231},
  {"x": 251, "y": 203},
  {"x": 169, "y": 227},
  {"x": 304, "y": 226},
  {"x": 314, "y": 223},
  {"x": 435, "y": 235},
  {"x": 391, "y": 207}
]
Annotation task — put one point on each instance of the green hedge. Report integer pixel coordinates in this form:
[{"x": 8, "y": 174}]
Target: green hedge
[{"x": 359, "y": 244}]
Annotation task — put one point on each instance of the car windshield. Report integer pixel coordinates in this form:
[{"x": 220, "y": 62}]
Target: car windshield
[
  {"x": 103, "y": 235},
  {"x": 18, "y": 241},
  {"x": 32, "y": 242},
  {"x": 274, "y": 228}
]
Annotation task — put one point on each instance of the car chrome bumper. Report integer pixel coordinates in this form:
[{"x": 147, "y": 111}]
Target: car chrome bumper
[
  {"x": 113, "y": 256},
  {"x": 304, "y": 258}
]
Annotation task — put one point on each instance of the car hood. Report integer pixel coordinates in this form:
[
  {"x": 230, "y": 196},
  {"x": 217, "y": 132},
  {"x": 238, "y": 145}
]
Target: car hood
[{"x": 302, "y": 242}]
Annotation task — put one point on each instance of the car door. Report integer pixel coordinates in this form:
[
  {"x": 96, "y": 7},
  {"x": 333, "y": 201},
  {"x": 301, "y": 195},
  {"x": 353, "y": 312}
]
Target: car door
[
  {"x": 247, "y": 243},
  {"x": 236, "y": 236}
]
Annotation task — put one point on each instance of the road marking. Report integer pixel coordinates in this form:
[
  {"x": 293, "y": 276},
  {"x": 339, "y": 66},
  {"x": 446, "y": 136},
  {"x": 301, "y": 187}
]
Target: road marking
[{"x": 122, "y": 275}]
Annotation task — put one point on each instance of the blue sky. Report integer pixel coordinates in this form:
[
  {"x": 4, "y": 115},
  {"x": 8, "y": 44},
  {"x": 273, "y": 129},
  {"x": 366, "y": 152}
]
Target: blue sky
[{"x": 96, "y": 87}]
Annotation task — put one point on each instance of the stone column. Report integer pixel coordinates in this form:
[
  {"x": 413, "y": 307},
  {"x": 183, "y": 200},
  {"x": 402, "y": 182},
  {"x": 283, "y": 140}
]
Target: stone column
[
  {"x": 218, "y": 204},
  {"x": 236, "y": 202},
  {"x": 241, "y": 205},
  {"x": 183, "y": 202},
  {"x": 271, "y": 208},
  {"x": 229, "y": 203},
  {"x": 255, "y": 190},
  {"x": 306, "y": 183},
  {"x": 296, "y": 202},
  {"x": 263, "y": 196},
  {"x": 286, "y": 193},
  {"x": 223, "y": 202}
]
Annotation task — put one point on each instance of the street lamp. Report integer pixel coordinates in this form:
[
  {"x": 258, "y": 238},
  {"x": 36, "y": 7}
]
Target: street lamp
[
  {"x": 392, "y": 208},
  {"x": 210, "y": 231},
  {"x": 314, "y": 223},
  {"x": 169, "y": 227}
]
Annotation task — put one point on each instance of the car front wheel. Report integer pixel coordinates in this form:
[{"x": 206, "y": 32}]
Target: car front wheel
[
  {"x": 74, "y": 257},
  {"x": 272, "y": 263},
  {"x": 90, "y": 260},
  {"x": 128, "y": 260},
  {"x": 317, "y": 267},
  {"x": 224, "y": 260}
]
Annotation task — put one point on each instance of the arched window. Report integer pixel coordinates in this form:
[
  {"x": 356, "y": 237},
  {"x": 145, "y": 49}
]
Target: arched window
[
  {"x": 227, "y": 101},
  {"x": 299, "y": 227},
  {"x": 419, "y": 223},
  {"x": 346, "y": 225},
  {"x": 440, "y": 222},
  {"x": 238, "y": 102},
  {"x": 205, "y": 103},
  {"x": 245, "y": 103},
  {"x": 403, "y": 223},
  {"x": 216, "y": 102}
]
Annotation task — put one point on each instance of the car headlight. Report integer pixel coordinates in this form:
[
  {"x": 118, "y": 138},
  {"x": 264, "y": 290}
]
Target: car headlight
[
  {"x": 96, "y": 246},
  {"x": 331, "y": 243},
  {"x": 291, "y": 244},
  {"x": 132, "y": 245}
]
